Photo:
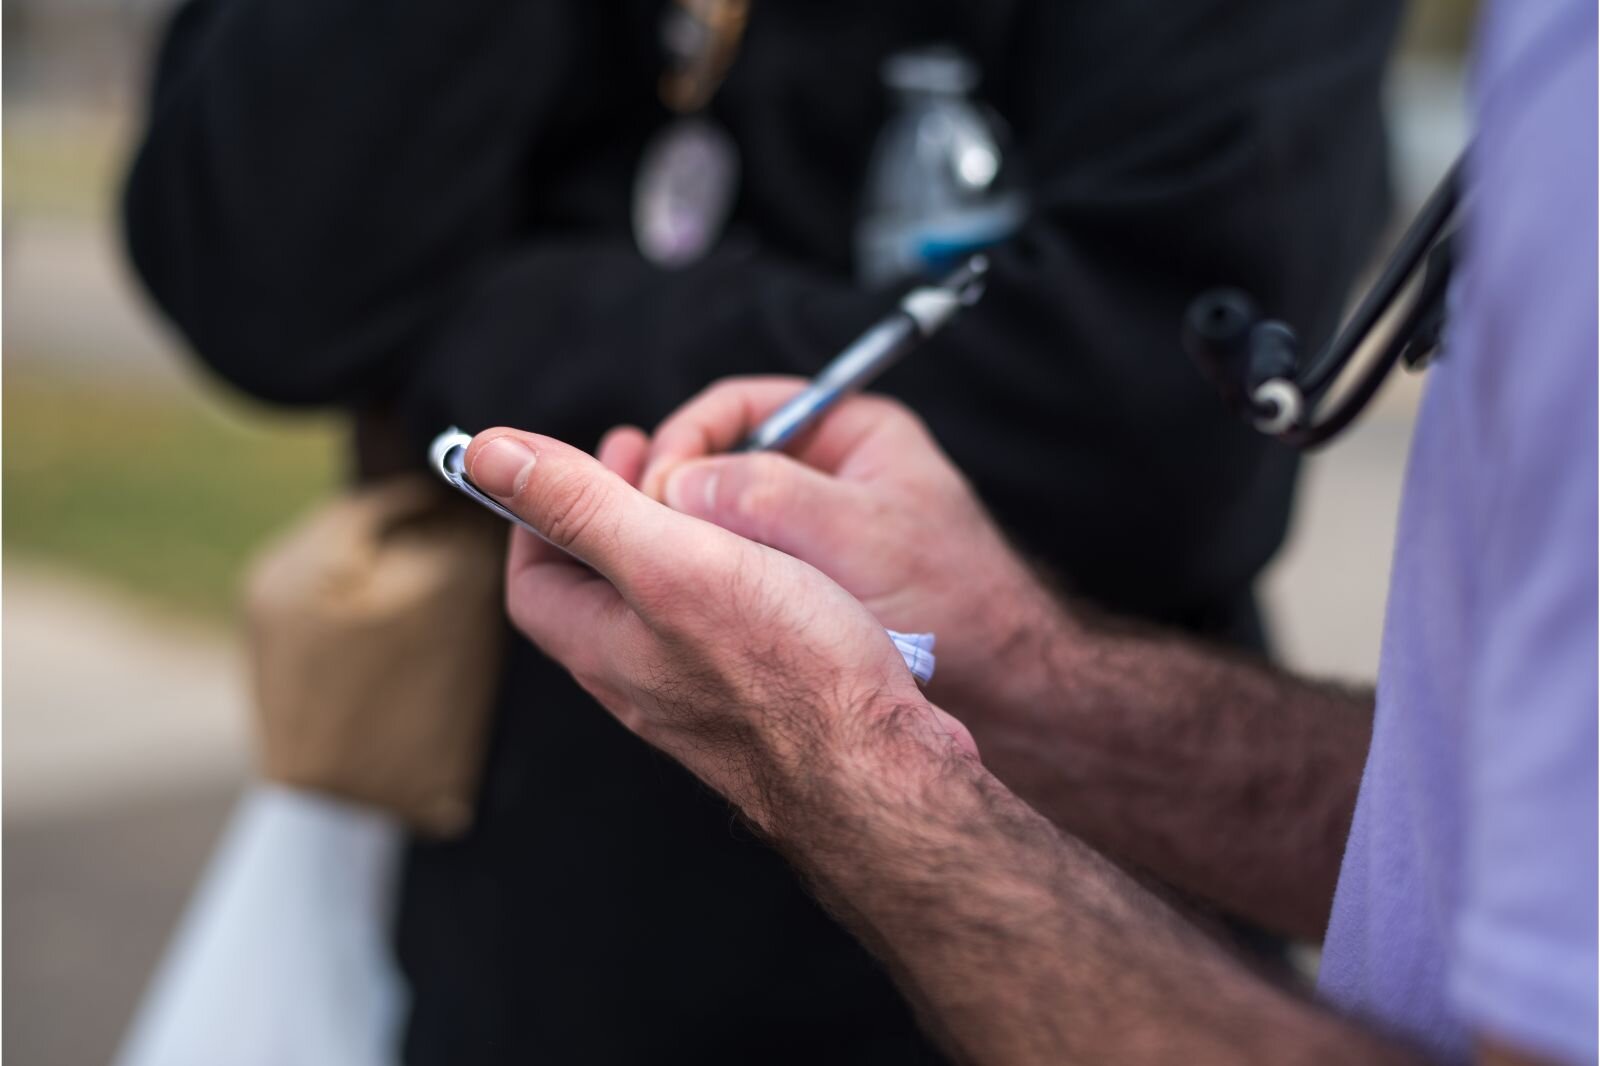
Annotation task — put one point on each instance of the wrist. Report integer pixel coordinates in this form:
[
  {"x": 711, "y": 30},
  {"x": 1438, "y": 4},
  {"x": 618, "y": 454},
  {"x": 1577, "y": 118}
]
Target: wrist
[
  {"x": 1025, "y": 631},
  {"x": 885, "y": 752}
]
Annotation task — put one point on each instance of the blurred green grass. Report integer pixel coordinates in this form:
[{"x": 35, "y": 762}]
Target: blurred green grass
[
  {"x": 164, "y": 493},
  {"x": 62, "y": 165}
]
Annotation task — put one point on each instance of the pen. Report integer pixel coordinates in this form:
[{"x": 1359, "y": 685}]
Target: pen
[{"x": 921, "y": 314}]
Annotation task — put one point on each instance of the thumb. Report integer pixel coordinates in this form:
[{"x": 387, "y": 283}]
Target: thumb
[
  {"x": 579, "y": 506},
  {"x": 770, "y": 498}
]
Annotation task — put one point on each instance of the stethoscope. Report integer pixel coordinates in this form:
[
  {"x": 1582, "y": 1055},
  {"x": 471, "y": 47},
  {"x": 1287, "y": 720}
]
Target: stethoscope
[{"x": 1255, "y": 362}]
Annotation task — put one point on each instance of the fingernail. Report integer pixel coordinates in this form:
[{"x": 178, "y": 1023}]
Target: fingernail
[
  {"x": 692, "y": 489},
  {"x": 502, "y": 465}
]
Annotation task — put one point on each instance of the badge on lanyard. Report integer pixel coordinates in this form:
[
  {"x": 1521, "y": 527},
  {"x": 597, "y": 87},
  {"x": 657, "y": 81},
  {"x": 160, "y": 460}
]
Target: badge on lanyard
[{"x": 688, "y": 176}]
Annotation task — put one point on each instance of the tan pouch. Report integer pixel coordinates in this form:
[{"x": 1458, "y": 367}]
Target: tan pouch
[{"x": 376, "y": 642}]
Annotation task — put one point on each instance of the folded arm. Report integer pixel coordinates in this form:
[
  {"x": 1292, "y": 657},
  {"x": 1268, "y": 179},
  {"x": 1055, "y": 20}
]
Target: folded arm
[{"x": 342, "y": 204}]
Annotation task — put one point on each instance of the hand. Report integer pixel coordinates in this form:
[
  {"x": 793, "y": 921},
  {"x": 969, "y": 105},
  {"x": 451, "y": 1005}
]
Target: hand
[
  {"x": 870, "y": 500},
  {"x": 745, "y": 664}
]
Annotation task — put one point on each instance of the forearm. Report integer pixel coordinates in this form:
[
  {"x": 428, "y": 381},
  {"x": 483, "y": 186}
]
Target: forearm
[
  {"x": 1221, "y": 775},
  {"x": 1020, "y": 944}
]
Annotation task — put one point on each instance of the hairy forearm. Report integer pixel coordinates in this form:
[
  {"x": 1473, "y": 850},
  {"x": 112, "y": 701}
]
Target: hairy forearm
[
  {"x": 1021, "y": 944},
  {"x": 1219, "y": 774}
]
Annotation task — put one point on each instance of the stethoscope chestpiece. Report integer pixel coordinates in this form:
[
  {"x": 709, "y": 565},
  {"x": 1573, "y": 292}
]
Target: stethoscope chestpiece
[
  {"x": 1256, "y": 364},
  {"x": 1250, "y": 360}
]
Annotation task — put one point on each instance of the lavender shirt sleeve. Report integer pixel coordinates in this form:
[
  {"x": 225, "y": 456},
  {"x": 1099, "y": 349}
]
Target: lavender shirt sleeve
[{"x": 1524, "y": 952}]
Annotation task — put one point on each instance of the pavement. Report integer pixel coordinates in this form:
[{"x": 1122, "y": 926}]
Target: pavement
[
  {"x": 126, "y": 744},
  {"x": 91, "y": 896},
  {"x": 106, "y": 698},
  {"x": 1325, "y": 592}
]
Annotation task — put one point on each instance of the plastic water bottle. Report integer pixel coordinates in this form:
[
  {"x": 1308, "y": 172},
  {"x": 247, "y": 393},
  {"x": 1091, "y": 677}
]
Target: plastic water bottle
[{"x": 939, "y": 187}]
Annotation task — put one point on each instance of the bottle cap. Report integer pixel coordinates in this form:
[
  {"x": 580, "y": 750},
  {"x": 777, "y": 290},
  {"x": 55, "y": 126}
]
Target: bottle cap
[{"x": 934, "y": 69}]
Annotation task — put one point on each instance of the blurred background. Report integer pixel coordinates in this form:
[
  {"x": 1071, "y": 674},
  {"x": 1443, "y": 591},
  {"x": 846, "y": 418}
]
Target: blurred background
[{"x": 126, "y": 725}]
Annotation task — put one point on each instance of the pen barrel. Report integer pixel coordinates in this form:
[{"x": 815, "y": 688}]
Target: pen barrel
[
  {"x": 871, "y": 354},
  {"x": 868, "y": 356}
]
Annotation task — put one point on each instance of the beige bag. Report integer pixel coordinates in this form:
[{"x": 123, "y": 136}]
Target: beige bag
[{"x": 376, "y": 642}]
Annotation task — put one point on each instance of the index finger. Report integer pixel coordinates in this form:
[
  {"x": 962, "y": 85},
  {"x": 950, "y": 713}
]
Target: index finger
[
  {"x": 720, "y": 417},
  {"x": 557, "y": 602}
]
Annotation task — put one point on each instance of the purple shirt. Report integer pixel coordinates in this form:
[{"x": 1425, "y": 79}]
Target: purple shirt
[{"x": 1466, "y": 903}]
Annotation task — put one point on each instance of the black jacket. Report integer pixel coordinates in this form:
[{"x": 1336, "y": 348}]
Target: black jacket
[{"x": 423, "y": 208}]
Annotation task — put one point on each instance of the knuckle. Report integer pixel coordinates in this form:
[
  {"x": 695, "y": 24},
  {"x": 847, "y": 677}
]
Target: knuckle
[
  {"x": 724, "y": 395},
  {"x": 660, "y": 591},
  {"x": 685, "y": 432},
  {"x": 759, "y": 504},
  {"x": 667, "y": 588},
  {"x": 761, "y": 495},
  {"x": 680, "y": 597},
  {"x": 724, "y": 388},
  {"x": 894, "y": 411},
  {"x": 572, "y": 504}
]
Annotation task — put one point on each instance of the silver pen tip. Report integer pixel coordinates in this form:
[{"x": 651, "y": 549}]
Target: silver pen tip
[{"x": 967, "y": 282}]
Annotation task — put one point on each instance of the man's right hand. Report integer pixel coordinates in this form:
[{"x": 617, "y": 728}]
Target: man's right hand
[
  {"x": 1217, "y": 774},
  {"x": 868, "y": 498}
]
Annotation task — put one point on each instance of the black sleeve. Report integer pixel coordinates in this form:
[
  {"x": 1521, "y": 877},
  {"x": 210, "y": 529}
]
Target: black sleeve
[
  {"x": 319, "y": 181},
  {"x": 1172, "y": 145}
]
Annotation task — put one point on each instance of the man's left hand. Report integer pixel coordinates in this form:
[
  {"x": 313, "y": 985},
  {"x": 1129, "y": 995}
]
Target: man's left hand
[{"x": 743, "y": 663}]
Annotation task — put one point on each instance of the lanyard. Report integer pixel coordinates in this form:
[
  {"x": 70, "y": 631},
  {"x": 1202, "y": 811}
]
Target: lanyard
[
  {"x": 702, "y": 39},
  {"x": 688, "y": 176}
]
